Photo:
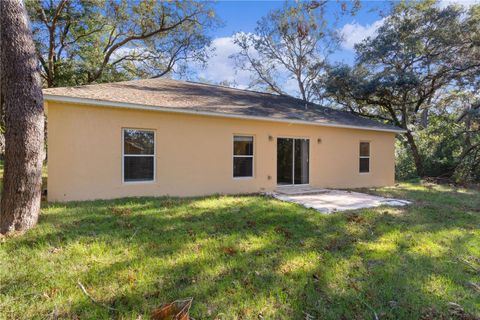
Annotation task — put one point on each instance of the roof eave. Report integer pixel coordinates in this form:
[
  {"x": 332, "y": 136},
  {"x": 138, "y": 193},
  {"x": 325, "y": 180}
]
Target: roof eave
[{"x": 135, "y": 106}]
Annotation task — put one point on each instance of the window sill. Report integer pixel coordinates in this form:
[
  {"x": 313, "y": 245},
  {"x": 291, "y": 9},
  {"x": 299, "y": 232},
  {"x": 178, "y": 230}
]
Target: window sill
[{"x": 137, "y": 182}]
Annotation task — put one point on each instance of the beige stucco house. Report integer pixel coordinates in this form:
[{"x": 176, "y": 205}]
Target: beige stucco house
[{"x": 164, "y": 137}]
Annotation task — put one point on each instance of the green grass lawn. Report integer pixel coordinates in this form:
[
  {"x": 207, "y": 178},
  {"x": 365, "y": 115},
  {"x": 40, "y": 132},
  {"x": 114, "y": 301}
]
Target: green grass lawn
[{"x": 248, "y": 258}]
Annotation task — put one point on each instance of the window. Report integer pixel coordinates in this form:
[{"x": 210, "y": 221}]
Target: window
[
  {"x": 242, "y": 156},
  {"x": 364, "y": 157},
  {"x": 138, "y": 155}
]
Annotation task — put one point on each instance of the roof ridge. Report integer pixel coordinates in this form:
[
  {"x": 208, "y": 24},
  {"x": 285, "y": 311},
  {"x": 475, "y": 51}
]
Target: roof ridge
[
  {"x": 195, "y": 83},
  {"x": 207, "y": 85},
  {"x": 254, "y": 91},
  {"x": 237, "y": 89}
]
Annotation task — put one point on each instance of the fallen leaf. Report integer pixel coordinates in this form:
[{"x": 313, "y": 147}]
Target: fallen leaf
[
  {"x": 177, "y": 310},
  {"x": 230, "y": 251},
  {"x": 120, "y": 211},
  {"x": 475, "y": 286},
  {"x": 458, "y": 313},
  {"x": 251, "y": 224},
  {"x": 355, "y": 218},
  {"x": 131, "y": 278},
  {"x": 284, "y": 231},
  {"x": 54, "y": 250}
]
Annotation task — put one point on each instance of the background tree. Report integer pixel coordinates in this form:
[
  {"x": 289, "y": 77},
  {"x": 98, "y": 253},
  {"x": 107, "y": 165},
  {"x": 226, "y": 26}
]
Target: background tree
[
  {"x": 420, "y": 55},
  {"x": 467, "y": 164},
  {"x": 80, "y": 42},
  {"x": 22, "y": 101},
  {"x": 291, "y": 43}
]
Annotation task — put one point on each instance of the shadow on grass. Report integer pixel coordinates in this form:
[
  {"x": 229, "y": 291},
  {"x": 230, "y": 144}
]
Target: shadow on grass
[{"x": 241, "y": 257}]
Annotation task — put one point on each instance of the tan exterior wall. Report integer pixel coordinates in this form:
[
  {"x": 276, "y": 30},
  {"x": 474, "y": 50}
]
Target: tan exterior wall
[{"x": 194, "y": 154}]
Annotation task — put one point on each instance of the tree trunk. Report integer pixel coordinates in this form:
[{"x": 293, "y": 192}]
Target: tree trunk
[
  {"x": 23, "y": 101},
  {"x": 415, "y": 153}
]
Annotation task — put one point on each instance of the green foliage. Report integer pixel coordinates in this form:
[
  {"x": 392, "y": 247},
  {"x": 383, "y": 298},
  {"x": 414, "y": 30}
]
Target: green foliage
[
  {"x": 81, "y": 42},
  {"x": 440, "y": 153},
  {"x": 420, "y": 72},
  {"x": 241, "y": 257},
  {"x": 404, "y": 164}
]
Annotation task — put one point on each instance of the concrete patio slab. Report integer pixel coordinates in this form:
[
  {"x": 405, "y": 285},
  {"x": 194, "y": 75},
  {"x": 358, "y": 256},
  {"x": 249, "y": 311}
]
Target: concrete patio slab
[{"x": 329, "y": 200}]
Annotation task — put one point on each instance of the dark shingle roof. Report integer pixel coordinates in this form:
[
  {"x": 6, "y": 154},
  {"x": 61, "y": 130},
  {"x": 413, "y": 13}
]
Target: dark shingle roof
[{"x": 194, "y": 97}]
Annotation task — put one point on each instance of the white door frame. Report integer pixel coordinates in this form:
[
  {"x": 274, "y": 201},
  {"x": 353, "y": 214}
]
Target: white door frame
[{"x": 293, "y": 161}]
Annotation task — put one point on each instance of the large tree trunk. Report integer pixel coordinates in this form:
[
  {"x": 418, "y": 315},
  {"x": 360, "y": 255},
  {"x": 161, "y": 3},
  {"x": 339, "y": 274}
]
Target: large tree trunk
[
  {"x": 415, "y": 153},
  {"x": 23, "y": 102}
]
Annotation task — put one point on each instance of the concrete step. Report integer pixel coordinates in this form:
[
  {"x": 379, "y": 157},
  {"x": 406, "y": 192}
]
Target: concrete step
[{"x": 297, "y": 190}]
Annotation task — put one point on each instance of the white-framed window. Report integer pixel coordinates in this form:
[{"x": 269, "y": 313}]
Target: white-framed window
[
  {"x": 364, "y": 163},
  {"x": 243, "y": 157},
  {"x": 138, "y": 155}
]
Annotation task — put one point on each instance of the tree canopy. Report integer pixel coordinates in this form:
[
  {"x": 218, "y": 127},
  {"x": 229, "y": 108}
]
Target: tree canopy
[
  {"x": 423, "y": 64},
  {"x": 290, "y": 44},
  {"x": 80, "y": 42}
]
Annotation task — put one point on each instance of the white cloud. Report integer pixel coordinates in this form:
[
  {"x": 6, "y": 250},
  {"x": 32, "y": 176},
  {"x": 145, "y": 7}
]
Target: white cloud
[
  {"x": 467, "y": 3},
  {"x": 354, "y": 33},
  {"x": 221, "y": 67}
]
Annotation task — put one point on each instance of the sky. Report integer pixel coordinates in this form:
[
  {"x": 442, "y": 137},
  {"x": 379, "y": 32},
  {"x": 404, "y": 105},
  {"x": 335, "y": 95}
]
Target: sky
[{"x": 242, "y": 16}]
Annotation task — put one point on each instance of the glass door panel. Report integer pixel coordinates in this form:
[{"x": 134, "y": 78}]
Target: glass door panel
[
  {"x": 301, "y": 173},
  {"x": 284, "y": 161}
]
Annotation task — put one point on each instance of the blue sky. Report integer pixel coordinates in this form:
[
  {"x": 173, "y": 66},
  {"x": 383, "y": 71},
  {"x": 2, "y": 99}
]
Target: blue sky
[{"x": 242, "y": 16}]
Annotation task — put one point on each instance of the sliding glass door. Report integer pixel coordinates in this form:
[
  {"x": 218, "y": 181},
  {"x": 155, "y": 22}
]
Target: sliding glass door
[{"x": 292, "y": 161}]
